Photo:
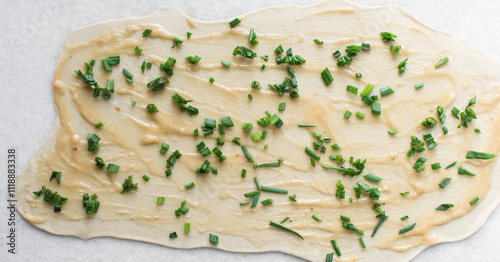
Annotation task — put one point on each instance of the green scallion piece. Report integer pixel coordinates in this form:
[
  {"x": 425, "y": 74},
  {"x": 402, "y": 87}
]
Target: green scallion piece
[
  {"x": 187, "y": 227},
  {"x": 57, "y": 175},
  {"x": 360, "y": 115},
  {"x": 352, "y": 89},
  {"x": 474, "y": 201},
  {"x": 193, "y": 59},
  {"x": 463, "y": 171},
  {"x": 146, "y": 32},
  {"x": 213, "y": 239},
  {"x": 317, "y": 41},
  {"x": 105, "y": 64},
  {"x": 267, "y": 202},
  {"x": 112, "y": 168},
  {"x": 347, "y": 114},
  {"x": 259, "y": 187},
  {"x": 160, "y": 200},
  {"x": 407, "y": 228},
  {"x": 451, "y": 165},
  {"x": 419, "y": 85},
  {"x": 373, "y": 178},
  {"x": 316, "y": 218},
  {"x": 247, "y": 154},
  {"x": 190, "y": 185},
  {"x": 379, "y": 224},
  {"x": 444, "y": 182},
  {"x": 138, "y": 50},
  {"x": 306, "y": 125},
  {"x": 282, "y": 106},
  {"x": 376, "y": 108},
  {"x": 211, "y": 80},
  {"x": 274, "y": 190},
  {"x": 362, "y": 242},
  {"x": 226, "y": 63},
  {"x": 98, "y": 124},
  {"x": 312, "y": 154},
  {"x": 255, "y": 200},
  {"x": 235, "y": 22},
  {"x": 436, "y": 166},
  {"x": 145, "y": 177},
  {"x": 329, "y": 257},
  {"x": 442, "y": 62},
  {"x": 271, "y": 223},
  {"x": 164, "y": 148},
  {"x": 479, "y": 155},
  {"x": 336, "y": 247},
  {"x": 385, "y": 91},
  {"x": 405, "y": 193},
  {"x": 444, "y": 207},
  {"x": 327, "y": 76},
  {"x": 392, "y": 131}
]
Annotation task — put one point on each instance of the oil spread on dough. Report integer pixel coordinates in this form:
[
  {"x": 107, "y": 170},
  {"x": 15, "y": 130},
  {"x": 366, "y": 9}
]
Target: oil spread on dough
[{"x": 131, "y": 136}]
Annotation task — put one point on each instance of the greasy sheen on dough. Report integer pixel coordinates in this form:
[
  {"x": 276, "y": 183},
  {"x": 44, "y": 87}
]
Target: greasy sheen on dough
[{"x": 131, "y": 136}]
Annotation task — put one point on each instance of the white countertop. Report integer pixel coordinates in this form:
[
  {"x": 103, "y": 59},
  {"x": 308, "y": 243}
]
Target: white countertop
[{"x": 32, "y": 33}]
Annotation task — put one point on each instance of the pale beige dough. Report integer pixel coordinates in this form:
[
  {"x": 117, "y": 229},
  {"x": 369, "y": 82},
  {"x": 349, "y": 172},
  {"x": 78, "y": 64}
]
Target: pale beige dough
[{"x": 131, "y": 136}]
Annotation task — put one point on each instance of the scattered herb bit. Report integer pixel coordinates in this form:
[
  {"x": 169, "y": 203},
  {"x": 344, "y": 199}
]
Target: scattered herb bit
[
  {"x": 405, "y": 218},
  {"x": 360, "y": 115},
  {"x": 234, "y": 22},
  {"x": 213, "y": 239},
  {"x": 193, "y": 59},
  {"x": 137, "y": 50},
  {"x": 317, "y": 41},
  {"x": 384, "y": 218},
  {"x": 145, "y": 177},
  {"x": 419, "y": 165},
  {"x": 429, "y": 122},
  {"x": 188, "y": 34},
  {"x": 395, "y": 49},
  {"x": 152, "y": 108},
  {"x": 376, "y": 109},
  {"x": 57, "y": 175},
  {"x": 93, "y": 142},
  {"x": 474, "y": 201},
  {"x": 90, "y": 203},
  {"x": 347, "y": 114},
  {"x": 386, "y": 36},
  {"x": 362, "y": 242},
  {"x": 336, "y": 248},
  {"x": 444, "y": 182},
  {"x": 182, "y": 210},
  {"x": 55, "y": 198},
  {"x": 444, "y": 207},
  {"x": 405, "y": 193},
  {"x": 225, "y": 63},
  {"x": 267, "y": 202},
  {"x": 451, "y": 165},
  {"x": 373, "y": 178},
  {"x": 190, "y": 185},
  {"x": 419, "y": 85},
  {"x": 463, "y": 171},
  {"x": 407, "y": 228},
  {"x": 293, "y": 197},
  {"x": 146, "y": 32},
  {"x": 271, "y": 223},
  {"x": 327, "y": 76},
  {"x": 211, "y": 80},
  {"x": 316, "y": 218},
  {"x": 252, "y": 37},
  {"x": 392, "y": 131},
  {"x": 112, "y": 168},
  {"x": 99, "y": 162},
  {"x": 359, "y": 75},
  {"x": 385, "y": 91},
  {"x": 436, "y": 166},
  {"x": 402, "y": 66},
  {"x": 176, "y": 41},
  {"x": 128, "y": 185},
  {"x": 244, "y": 51},
  {"x": 442, "y": 62},
  {"x": 160, "y": 200},
  {"x": 479, "y": 155}
]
